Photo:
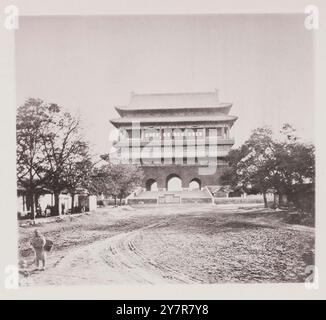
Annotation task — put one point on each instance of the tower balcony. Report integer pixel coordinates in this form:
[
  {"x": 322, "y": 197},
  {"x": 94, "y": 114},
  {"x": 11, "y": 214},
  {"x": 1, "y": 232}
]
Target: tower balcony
[{"x": 179, "y": 142}]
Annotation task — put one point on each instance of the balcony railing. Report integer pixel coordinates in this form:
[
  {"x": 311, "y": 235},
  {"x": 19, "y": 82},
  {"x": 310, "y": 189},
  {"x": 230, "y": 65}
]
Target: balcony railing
[{"x": 169, "y": 142}]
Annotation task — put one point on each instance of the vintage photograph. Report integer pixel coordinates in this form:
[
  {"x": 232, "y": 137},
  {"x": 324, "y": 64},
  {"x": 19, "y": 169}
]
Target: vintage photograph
[{"x": 165, "y": 149}]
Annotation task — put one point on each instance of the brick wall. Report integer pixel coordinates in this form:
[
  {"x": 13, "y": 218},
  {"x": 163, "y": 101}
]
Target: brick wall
[{"x": 186, "y": 174}]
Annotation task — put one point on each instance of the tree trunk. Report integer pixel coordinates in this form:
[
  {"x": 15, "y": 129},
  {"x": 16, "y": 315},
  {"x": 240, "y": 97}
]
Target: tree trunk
[
  {"x": 36, "y": 200},
  {"x": 72, "y": 202},
  {"x": 31, "y": 194},
  {"x": 36, "y": 204},
  {"x": 283, "y": 200},
  {"x": 56, "y": 209},
  {"x": 265, "y": 200},
  {"x": 120, "y": 200},
  {"x": 115, "y": 200},
  {"x": 30, "y": 204},
  {"x": 275, "y": 201}
]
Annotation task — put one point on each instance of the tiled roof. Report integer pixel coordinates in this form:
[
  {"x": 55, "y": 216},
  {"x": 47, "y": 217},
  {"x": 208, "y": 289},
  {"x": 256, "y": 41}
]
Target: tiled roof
[
  {"x": 174, "y": 100},
  {"x": 205, "y": 118}
]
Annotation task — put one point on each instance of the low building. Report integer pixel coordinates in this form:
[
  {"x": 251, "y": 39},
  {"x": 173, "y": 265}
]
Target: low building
[{"x": 45, "y": 201}]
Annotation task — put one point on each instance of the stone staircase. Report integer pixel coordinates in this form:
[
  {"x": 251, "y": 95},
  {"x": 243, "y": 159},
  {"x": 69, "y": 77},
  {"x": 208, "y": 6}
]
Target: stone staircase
[{"x": 172, "y": 197}]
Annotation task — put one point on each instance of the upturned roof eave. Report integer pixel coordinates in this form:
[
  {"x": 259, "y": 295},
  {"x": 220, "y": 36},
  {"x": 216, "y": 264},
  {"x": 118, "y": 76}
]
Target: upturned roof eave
[
  {"x": 119, "y": 109},
  {"x": 157, "y": 108},
  {"x": 123, "y": 121}
]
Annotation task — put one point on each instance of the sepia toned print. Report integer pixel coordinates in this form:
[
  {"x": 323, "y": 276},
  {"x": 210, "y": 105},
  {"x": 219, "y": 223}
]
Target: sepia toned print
[{"x": 165, "y": 150}]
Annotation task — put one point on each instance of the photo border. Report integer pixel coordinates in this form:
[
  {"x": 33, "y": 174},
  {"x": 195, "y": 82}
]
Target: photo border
[{"x": 8, "y": 232}]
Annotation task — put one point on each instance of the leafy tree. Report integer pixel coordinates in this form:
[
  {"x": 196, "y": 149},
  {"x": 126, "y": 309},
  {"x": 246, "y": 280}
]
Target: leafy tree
[
  {"x": 264, "y": 163},
  {"x": 50, "y": 150},
  {"x": 77, "y": 176},
  {"x": 63, "y": 147},
  {"x": 294, "y": 162},
  {"x": 255, "y": 169},
  {"x": 116, "y": 180},
  {"x": 230, "y": 176},
  {"x": 130, "y": 179},
  {"x": 100, "y": 182},
  {"x": 31, "y": 119}
]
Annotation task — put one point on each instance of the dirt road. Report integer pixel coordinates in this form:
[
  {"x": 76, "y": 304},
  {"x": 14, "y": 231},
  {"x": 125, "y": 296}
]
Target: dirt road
[
  {"x": 175, "y": 245},
  {"x": 116, "y": 260}
]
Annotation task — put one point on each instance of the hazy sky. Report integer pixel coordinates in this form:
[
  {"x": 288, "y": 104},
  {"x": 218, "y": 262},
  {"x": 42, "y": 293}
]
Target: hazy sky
[{"x": 261, "y": 63}]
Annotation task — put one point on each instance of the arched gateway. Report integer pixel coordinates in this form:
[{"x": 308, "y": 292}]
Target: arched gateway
[
  {"x": 151, "y": 185},
  {"x": 173, "y": 183},
  {"x": 195, "y": 184}
]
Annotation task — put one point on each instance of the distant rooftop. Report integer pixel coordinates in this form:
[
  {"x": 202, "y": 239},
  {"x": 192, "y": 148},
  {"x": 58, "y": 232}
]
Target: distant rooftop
[{"x": 186, "y": 100}]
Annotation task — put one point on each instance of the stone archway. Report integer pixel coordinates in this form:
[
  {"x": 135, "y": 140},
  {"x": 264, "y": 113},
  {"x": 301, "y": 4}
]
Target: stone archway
[
  {"x": 195, "y": 184},
  {"x": 151, "y": 185},
  {"x": 173, "y": 183}
]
